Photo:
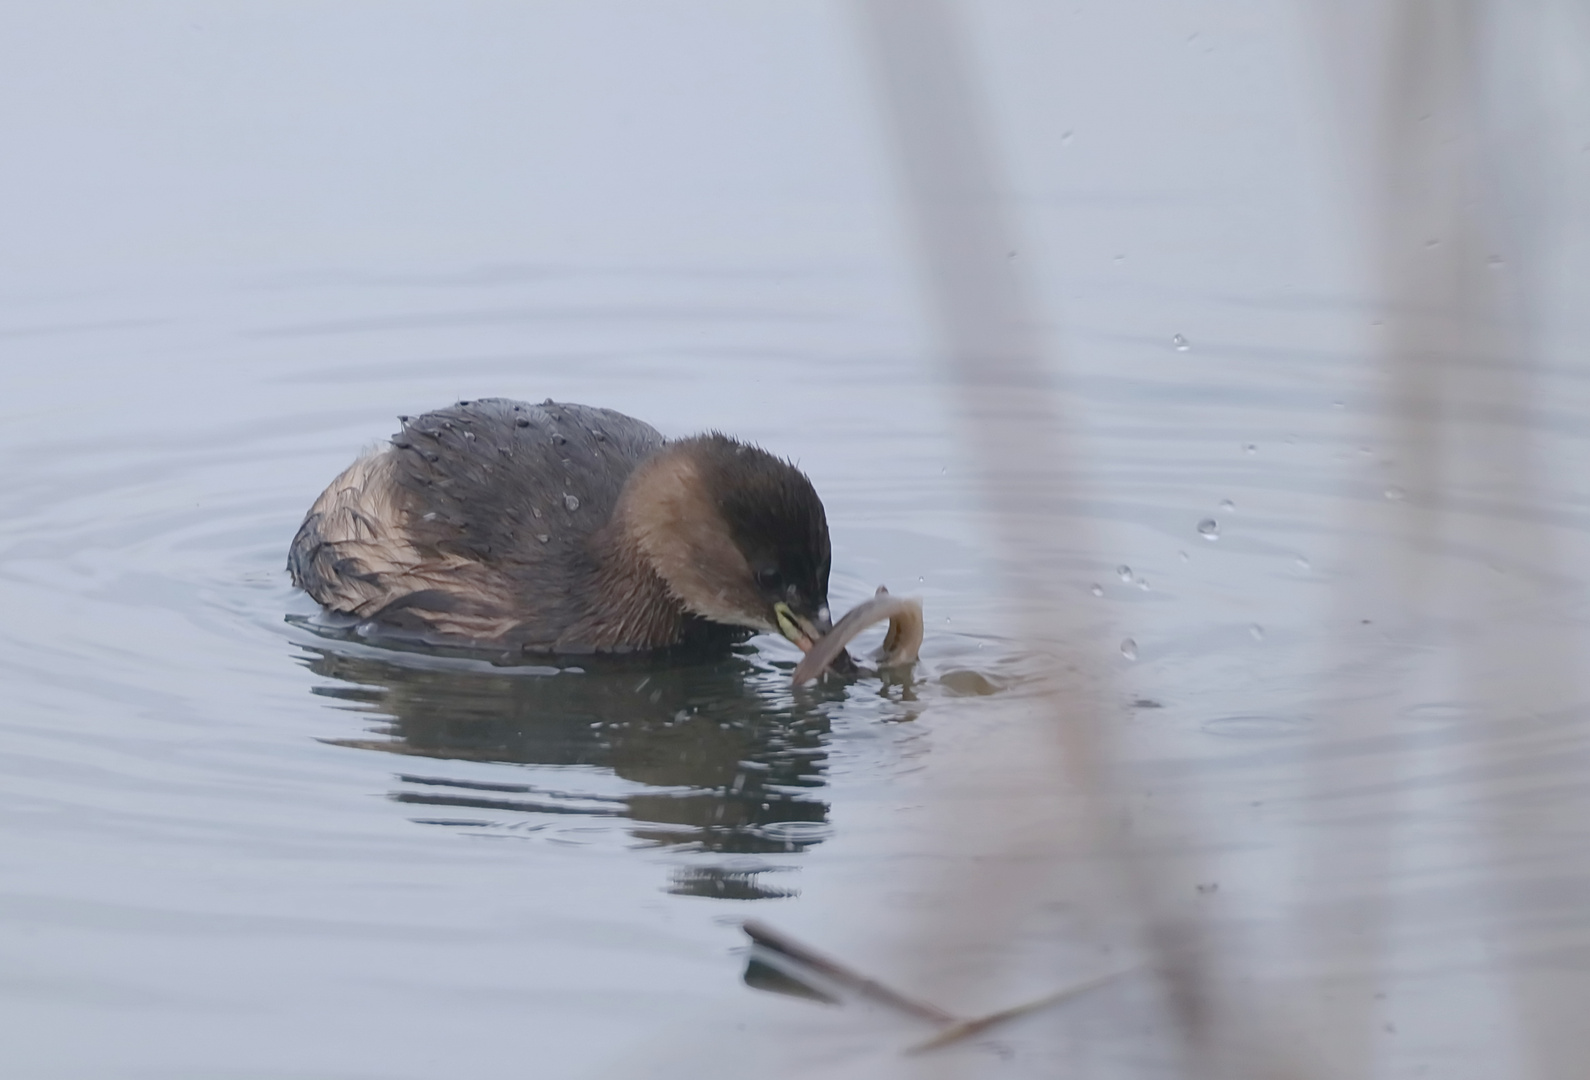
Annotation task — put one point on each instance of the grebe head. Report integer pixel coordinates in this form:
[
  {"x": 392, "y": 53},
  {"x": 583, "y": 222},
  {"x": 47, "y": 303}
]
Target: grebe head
[{"x": 738, "y": 535}]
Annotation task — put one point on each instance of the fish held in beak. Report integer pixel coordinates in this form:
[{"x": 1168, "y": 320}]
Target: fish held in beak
[
  {"x": 900, "y": 645},
  {"x": 807, "y": 634}
]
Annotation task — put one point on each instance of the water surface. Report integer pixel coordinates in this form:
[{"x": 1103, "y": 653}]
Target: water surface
[{"x": 241, "y": 242}]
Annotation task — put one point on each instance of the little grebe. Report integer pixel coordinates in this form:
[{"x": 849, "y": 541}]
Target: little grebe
[{"x": 567, "y": 529}]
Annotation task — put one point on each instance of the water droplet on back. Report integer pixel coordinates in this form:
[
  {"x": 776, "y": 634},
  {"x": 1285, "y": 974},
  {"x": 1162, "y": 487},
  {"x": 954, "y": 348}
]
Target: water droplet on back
[
  {"x": 1124, "y": 573},
  {"x": 1181, "y": 343},
  {"x": 1396, "y": 494},
  {"x": 1129, "y": 649},
  {"x": 543, "y": 537},
  {"x": 1256, "y": 632},
  {"x": 1227, "y": 505},
  {"x": 571, "y": 501},
  {"x": 1209, "y": 529},
  {"x": 1097, "y": 590}
]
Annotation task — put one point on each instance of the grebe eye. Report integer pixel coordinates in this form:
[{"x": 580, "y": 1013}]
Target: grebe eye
[{"x": 768, "y": 579}]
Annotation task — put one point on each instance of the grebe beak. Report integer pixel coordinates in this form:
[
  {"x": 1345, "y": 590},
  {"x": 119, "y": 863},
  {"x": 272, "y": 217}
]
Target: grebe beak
[{"x": 802, "y": 631}]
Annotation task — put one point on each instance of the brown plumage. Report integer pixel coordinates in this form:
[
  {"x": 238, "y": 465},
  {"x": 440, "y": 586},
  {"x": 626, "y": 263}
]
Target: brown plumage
[{"x": 565, "y": 528}]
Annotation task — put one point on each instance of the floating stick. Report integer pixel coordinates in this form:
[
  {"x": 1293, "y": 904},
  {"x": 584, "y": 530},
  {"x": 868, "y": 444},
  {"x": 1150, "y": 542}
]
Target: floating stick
[
  {"x": 951, "y": 1027},
  {"x": 841, "y": 975}
]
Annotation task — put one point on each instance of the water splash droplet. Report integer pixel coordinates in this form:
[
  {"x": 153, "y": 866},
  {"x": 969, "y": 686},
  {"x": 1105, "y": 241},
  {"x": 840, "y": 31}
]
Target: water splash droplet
[
  {"x": 1209, "y": 529},
  {"x": 1395, "y": 494},
  {"x": 1495, "y": 262},
  {"x": 1142, "y": 583},
  {"x": 1129, "y": 649},
  {"x": 1250, "y": 448},
  {"x": 543, "y": 537},
  {"x": 1184, "y": 556},
  {"x": 1303, "y": 563},
  {"x": 920, "y": 579},
  {"x": 1256, "y": 632},
  {"x": 1227, "y": 505},
  {"x": 572, "y": 502},
  {"x": 1097, "y": 590},
  {"x": 1181, "y": 343},
  {"x": 1124, "y": 573}
]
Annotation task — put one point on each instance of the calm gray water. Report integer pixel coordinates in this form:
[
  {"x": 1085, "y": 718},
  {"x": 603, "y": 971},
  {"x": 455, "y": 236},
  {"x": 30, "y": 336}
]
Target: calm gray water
[{"x": 240, "y": 241}]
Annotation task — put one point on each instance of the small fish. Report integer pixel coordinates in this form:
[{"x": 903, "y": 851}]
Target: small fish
[{"x": 900, "y": 644}]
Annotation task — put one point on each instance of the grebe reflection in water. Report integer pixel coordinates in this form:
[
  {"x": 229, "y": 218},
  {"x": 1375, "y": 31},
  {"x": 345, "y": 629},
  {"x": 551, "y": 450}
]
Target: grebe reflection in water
[{"x": 718, "y": 757}]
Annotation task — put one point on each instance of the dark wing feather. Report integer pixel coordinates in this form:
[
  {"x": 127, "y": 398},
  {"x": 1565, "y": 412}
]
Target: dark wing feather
[{"x": 521, "y": 488}]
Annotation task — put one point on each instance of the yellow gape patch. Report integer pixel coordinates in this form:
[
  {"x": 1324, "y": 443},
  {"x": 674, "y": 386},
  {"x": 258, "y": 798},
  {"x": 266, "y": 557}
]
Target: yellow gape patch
[{"x": 789, "y": 627}]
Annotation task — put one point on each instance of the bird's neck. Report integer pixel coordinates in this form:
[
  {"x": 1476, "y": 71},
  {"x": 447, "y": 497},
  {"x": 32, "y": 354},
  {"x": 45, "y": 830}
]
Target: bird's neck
[{"x": 630, "y": 603}]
